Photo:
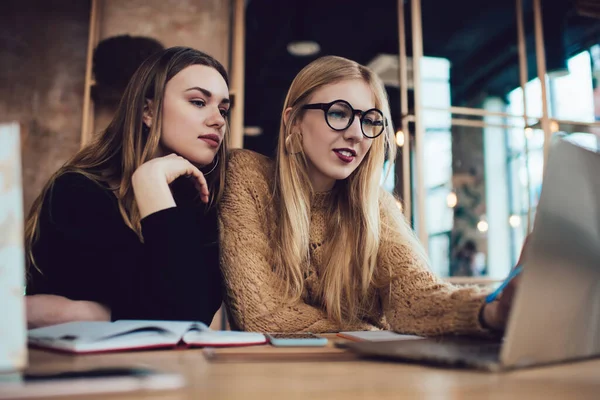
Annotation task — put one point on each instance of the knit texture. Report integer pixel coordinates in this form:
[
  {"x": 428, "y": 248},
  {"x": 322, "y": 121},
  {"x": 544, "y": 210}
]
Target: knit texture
[{"x": 415, "y": 301}]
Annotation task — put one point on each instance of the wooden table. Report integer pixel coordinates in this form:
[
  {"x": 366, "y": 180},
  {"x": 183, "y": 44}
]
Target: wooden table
[{"x": 344, "y": 380}]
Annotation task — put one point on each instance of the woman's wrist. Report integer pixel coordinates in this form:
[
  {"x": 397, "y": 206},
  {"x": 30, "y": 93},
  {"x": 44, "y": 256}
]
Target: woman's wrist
[{"x": 152, "y": 194}]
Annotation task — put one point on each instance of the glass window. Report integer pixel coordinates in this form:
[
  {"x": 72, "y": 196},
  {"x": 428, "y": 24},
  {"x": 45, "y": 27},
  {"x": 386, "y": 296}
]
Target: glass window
[{"x": 571, "y": 99}]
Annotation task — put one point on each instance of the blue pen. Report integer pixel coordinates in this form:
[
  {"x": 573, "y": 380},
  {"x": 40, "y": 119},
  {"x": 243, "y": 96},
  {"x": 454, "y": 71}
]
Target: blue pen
[{"x": 492, "y": 296}]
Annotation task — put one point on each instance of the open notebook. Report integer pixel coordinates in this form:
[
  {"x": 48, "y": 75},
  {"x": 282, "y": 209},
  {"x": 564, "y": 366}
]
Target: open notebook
[{"x": 123, "y": 335}]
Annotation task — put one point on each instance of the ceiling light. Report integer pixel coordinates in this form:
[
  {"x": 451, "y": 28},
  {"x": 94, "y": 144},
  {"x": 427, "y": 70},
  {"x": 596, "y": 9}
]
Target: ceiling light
[
  {"x": 303, "y": 48},
  {"x": 386, "y": 66},
  {"x": 514, "y": 221},
  {"x": 400, "y": 138},
  {"x": 451, "y": 200},
  {"x": 482, "y": 226}
]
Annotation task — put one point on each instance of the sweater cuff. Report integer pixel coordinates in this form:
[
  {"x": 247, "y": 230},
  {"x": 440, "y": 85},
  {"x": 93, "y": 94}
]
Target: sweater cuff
[{"x": 467, "y": 319}]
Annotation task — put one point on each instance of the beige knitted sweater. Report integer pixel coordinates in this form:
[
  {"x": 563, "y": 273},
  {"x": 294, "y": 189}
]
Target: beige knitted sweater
[{"x": 415, "y": 301}]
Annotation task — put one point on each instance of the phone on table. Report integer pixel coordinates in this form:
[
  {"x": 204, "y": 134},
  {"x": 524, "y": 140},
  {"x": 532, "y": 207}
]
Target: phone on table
[
  {"x": 90, "y": 381},
  {"x": 295, "y": 339}
]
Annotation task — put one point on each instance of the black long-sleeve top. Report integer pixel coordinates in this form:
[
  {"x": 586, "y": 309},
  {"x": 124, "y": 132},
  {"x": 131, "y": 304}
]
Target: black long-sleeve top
[{"x": 85, "y": 251}]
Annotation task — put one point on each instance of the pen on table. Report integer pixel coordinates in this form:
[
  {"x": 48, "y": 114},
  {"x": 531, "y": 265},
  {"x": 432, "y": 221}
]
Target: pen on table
[{"x": 492, "y": 296}]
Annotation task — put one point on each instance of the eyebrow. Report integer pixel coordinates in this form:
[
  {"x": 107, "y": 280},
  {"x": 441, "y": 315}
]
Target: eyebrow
[{"x": 208, "y": 94}]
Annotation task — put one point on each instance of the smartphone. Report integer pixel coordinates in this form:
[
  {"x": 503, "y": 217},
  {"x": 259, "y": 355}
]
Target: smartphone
[
  {"x": 295, "y": 339},
  {"x": 90, "y": 381}
]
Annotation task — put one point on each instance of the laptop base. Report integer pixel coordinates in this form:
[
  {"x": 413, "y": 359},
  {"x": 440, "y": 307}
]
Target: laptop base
[{"x": 455, "y": 351}]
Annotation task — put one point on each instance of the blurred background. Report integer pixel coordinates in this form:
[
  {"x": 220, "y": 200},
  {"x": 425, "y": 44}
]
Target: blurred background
[{"x": 473, "y": 118}]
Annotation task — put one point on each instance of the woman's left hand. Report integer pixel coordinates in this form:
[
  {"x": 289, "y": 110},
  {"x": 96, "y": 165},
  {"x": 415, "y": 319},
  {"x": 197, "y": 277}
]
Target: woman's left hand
[
  {"x": 46, "y": 309},
  {"x": 495, "y": 314}
]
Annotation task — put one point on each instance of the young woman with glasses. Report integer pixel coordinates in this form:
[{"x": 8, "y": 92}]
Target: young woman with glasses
[{"x": 312, "y": 243}]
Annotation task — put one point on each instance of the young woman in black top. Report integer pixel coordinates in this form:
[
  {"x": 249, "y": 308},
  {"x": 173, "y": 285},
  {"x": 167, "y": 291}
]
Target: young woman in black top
[{"x": 127, "y": 228}]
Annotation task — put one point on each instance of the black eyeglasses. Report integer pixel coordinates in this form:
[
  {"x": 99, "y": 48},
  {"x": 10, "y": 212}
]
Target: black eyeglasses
[{"x": 339, "y": 115}]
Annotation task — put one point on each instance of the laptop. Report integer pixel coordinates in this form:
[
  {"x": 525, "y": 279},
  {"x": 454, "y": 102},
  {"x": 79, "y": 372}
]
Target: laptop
[
  {"x": 556, "y": 310},
  {"x": 13, "y": 348}
]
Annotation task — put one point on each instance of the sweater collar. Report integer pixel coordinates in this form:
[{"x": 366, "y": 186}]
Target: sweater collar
[{"x": 321, "y": 199}]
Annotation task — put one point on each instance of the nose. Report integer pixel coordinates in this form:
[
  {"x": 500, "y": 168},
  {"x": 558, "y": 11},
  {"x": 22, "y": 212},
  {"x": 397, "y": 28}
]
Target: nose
[
  {"x": 215, "y": 119},
  {"x": 354, "y": 131}
]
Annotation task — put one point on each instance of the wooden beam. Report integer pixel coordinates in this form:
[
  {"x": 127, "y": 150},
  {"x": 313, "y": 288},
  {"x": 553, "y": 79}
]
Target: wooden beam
[
  {"x": 87, "y": 121},
  {"x": 523, "y": 81},
  {"x": 403, "y": 80},
  {"x": 417, "y": 38},
  {"x": 540, "y": 54},
  {"x": 238, "y": 67}
]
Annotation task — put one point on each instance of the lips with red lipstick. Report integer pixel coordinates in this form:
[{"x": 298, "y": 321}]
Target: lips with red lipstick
[
  {"x": 212, "y": 139},
  {"x": 345, "y": 154}
]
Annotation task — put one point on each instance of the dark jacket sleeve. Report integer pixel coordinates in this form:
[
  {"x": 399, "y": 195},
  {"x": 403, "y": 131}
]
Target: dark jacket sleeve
[{"x": 86, "y": 252}]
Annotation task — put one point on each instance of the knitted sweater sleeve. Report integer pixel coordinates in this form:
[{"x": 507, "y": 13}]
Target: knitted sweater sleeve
[
  {"x": 254, "y": 295},
  {"x": 414, "y": 300}
]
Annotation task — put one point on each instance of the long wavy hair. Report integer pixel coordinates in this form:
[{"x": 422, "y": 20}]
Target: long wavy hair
[
  {"x": 114, "y": 155},
  {"x": 354, "y": 227}
]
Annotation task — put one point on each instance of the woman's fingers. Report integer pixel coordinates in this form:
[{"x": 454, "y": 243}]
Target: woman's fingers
[
  {"x": 176, "y": 166},
  {"x": 200, "y": 182}
]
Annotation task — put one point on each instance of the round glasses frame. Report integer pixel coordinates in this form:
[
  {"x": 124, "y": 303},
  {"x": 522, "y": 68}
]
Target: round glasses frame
[{"x": 326, "y": 106}]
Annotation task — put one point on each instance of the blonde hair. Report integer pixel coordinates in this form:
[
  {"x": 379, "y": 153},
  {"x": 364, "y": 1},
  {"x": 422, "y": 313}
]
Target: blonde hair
[
  {"x": 354, "y": 227},
  {"x": 126, "y": 144}
]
